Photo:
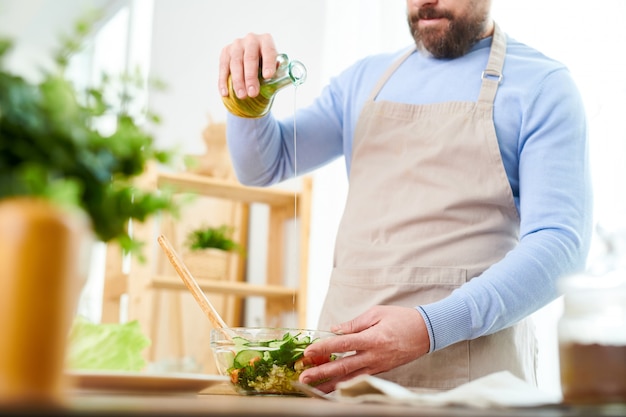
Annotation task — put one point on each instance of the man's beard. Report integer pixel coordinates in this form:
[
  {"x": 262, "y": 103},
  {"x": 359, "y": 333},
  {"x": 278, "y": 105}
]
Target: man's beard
[{"x": 452, "y": 42}]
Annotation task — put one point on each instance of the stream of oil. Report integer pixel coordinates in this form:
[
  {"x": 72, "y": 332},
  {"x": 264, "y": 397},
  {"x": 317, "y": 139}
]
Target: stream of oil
[{"x": 295, "y": 200}]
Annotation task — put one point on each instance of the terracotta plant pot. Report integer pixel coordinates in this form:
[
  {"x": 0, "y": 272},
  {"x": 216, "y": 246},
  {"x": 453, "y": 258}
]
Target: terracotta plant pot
[{"x": 44, "y": 255}]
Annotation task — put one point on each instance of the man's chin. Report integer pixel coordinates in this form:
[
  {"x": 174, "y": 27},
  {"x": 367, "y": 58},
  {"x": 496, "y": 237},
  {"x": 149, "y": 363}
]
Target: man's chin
[
  {"x": 423, "y": 50},
  {"x": 430, "y": 42}
]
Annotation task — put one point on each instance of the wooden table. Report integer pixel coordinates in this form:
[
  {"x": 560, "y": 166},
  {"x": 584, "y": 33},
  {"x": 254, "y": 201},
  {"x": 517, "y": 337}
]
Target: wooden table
[{"x": 224, "y": 404}]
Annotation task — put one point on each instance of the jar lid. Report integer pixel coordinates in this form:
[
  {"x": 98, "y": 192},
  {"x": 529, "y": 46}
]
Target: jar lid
[{"x": 594, "y": 308}]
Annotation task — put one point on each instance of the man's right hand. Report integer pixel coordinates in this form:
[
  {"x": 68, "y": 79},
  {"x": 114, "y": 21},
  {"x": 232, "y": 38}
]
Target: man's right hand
[{"x": 241, "y": 59}]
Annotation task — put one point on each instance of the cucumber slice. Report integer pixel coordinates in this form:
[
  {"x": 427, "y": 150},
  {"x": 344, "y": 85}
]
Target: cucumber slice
[
  {"x": 306, "y": 340},
  {"x": 244, "y": 357},
  {"x": 276, "y": 343},
  {"x": 240, "y": 341}
]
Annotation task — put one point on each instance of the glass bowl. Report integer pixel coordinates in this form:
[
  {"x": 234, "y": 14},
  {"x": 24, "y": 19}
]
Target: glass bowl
[{"x": 264, "y": 361}]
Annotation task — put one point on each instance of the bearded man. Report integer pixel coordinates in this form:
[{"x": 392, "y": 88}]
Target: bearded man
[{"x": 469, "y": 195}]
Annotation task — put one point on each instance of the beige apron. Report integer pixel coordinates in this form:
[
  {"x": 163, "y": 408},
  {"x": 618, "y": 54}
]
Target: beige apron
[{"x": 429, "y": 207}]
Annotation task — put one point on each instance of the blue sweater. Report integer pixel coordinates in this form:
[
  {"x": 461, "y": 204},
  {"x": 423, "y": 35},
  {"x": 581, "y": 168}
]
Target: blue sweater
[{"x": 542, "y": 132}]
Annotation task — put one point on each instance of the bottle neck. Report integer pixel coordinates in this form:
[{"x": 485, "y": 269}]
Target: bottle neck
[{"x": 287, "y": 73}]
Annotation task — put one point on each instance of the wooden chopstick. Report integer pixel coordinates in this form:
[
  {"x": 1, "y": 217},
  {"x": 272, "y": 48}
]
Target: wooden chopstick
[{"x": 191, "y": 283}]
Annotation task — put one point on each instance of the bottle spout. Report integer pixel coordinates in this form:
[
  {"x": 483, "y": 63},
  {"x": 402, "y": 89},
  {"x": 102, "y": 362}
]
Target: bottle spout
[{"x": 297, "y": 72}]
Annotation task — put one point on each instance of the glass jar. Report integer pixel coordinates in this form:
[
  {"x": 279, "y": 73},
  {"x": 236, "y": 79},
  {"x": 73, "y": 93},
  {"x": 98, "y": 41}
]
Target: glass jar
[
  {"x": 288, "y": 72},
  {"x": 592, "y": 338}
]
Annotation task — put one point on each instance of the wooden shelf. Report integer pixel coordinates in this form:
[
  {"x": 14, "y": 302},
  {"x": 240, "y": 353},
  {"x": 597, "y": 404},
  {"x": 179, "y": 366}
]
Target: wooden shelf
[
  {"x": 208, "y": 186},
  {"x": 228, "y": 287},
  {"x": 283, "y": 204}
]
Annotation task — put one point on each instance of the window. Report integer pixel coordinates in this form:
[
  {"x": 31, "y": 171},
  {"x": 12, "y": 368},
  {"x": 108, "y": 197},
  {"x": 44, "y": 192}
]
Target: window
[{"x": 120, "y": 44}]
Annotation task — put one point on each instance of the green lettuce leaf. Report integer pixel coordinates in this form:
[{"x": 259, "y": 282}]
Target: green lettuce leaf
[{"x": 106, "y": 346}]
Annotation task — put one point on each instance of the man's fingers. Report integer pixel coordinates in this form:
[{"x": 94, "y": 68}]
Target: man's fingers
[
  {"x": 241, "y": 60},
  {"x": 326, "y": 376},
  {"x": 339, "y": 367},
  {"x": 337, "y": 345},
  {"x": 358, "y": 324},
  {"x": 268, "y": 54},
  {"x": 224, "y": 71}
]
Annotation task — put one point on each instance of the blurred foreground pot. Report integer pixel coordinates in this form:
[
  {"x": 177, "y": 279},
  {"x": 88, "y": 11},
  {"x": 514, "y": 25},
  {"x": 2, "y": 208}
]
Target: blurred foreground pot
[{"x": 44, "y": 254}]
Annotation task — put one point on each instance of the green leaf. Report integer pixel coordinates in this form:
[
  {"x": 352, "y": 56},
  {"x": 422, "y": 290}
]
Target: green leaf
[{"x": 106, "y": 346}]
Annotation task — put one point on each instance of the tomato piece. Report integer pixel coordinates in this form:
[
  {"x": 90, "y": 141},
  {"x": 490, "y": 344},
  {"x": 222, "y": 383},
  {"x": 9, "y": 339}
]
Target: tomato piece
[
  {"x": 319, "y": 360},
  {"x": 308, "y": 361},
  {"x": 234, "y": 376}
]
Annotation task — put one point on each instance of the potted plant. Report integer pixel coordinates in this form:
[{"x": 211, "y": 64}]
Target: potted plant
[
  {"x": 206, "y": 237},
  {"x": 64, "y": 182},
  {"x": 208, "y": 249}
]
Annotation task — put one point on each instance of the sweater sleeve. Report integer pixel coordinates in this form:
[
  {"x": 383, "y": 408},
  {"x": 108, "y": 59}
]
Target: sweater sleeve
[{"x": 555, "y": 202}]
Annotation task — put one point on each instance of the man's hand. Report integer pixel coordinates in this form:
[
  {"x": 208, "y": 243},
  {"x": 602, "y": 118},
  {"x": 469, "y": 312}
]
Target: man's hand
[
  {"x": 241, "y": 60},
  {"x": 382, "y": 338}
]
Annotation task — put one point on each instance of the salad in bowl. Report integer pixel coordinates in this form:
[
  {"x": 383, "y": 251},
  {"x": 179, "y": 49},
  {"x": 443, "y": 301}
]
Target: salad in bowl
[{"x": 265, "y": 361}]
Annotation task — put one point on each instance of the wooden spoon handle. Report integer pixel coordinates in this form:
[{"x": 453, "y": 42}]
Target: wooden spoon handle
[{"x": 191, "y": 283}]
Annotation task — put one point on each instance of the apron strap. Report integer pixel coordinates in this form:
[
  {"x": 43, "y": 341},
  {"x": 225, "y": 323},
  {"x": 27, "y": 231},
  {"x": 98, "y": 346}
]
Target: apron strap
[
  {"x": 492, "y": 75},
  {"x": 382, "y": 80}
]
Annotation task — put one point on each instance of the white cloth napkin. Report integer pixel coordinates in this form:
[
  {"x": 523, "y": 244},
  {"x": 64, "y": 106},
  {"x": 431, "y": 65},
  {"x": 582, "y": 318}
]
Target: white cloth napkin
[{"x": 500, "y": 389}]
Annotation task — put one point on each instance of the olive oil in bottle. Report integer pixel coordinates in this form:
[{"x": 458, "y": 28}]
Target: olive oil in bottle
[{"x": 288, "y": 72}]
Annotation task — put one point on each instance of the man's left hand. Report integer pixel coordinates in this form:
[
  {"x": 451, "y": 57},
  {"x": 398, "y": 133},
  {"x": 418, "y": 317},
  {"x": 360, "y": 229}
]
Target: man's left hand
[{"x": 382, "y": 338}]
